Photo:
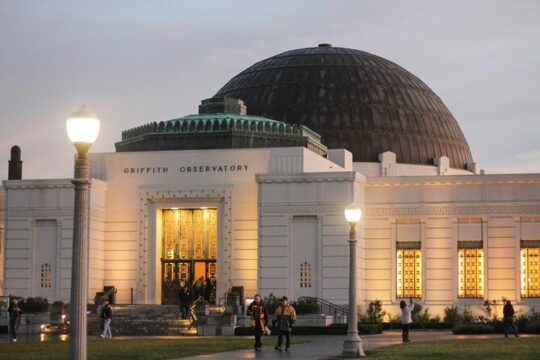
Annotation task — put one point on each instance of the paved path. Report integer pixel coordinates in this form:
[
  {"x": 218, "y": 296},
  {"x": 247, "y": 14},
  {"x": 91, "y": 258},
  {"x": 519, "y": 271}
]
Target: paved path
[{"x": 328, "y": 346}]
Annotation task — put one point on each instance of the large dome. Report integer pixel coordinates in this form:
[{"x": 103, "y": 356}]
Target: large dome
[{"x": 354, "y": 100}]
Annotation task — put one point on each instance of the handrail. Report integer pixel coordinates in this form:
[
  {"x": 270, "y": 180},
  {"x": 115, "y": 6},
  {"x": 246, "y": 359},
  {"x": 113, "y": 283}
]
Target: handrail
[
  {"x": 99, "y": 299},
  {"x": 333, "y": 309}
]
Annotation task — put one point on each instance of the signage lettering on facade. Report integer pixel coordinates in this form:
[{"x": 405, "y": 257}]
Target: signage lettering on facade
[{"x": 187, "y": 169}]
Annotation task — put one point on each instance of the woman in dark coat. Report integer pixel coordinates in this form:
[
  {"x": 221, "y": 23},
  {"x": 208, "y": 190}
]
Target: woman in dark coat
[{"x": 14, "y": 314}]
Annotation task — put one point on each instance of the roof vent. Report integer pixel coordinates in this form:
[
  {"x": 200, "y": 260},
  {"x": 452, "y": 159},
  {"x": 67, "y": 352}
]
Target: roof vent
[{"x": 325, "y": 45}]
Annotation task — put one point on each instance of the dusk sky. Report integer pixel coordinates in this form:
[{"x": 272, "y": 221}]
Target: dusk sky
[{"x": 135, "y": 62}]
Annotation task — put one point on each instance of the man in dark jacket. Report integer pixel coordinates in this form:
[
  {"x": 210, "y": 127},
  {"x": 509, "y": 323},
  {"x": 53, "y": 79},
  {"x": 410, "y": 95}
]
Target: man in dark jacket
[
  {"x": 285, "y": 316},
  {"x": 14, "y": 313},
  {"x": 259, "y": 319},
  {"x": 106, "y": 317},
  {"x": 508, "y": 312},
  {"x": 185, "y": 302}
]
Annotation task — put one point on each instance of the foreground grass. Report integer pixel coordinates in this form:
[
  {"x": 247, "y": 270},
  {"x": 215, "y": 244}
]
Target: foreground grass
[
  {"x": 140, "y": 349},
  {"x": 492, "y": 349}
]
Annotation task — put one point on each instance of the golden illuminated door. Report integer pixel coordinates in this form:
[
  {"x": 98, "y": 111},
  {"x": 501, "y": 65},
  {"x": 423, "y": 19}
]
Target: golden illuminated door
[
  {"x": 530, "y": 272},
  {"x": 409, "y": 273},
  {"x": 471, "y": 274},
  {"x": 189, "y": 252}
]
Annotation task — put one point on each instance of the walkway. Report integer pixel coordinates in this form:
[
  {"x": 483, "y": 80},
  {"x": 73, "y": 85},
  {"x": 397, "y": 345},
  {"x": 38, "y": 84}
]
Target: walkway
[{"x": 322, "y": 347}]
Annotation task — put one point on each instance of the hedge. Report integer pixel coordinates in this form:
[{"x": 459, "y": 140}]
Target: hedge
[
  {"x": 471, "y": 329},
  {"x": 533, "y": 328},
  {"x": 336, "y": 329},
  {"x": 418, "y": 326}
]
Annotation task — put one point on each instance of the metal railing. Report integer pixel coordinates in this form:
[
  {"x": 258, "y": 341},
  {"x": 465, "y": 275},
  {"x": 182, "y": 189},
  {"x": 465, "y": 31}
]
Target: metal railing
[{"x": 328, "y": 308}]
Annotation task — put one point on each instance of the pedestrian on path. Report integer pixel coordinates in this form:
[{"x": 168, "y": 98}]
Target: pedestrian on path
[
  {"x": 259, "y": 320},
  {"x": 406, "y": 318},
  {"x": 106, "y": 317},
  {"x": 508, "y": 312},
  {"x": 285, "y": 316},
  {"x": 185, "y": 302},
  {"x": 14, "y": 318}
]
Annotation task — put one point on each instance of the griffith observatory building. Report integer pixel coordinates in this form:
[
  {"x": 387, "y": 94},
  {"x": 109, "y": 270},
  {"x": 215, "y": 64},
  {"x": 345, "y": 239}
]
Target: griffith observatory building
[{"x": 250, "y": 192}]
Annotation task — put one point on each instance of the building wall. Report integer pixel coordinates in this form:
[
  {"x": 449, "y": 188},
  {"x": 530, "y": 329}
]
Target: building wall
[
  {"x": 36, "y": 210},
  {"x": 292, "y": 195},
  {"x": 134, "y": 197},
  {"x": 96, "y": 260},
  {"x": 2, "y": 252},
  {"x": 489, "y": 208}
]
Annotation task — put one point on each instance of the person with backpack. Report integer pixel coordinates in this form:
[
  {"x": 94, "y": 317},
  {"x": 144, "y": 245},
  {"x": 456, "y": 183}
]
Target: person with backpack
[{"x": 284, "y": 318}]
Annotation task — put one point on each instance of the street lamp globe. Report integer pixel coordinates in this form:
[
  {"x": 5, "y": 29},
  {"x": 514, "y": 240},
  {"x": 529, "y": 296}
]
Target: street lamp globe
[
  {"x": 353, "y": 213},
  {"x": 82, "y": 127}
]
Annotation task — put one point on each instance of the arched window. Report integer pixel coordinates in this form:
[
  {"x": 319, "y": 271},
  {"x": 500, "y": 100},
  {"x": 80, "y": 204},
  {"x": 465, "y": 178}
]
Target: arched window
[
  {"x": 305, "y": 275},
  {"x": 46, "y": 275}
]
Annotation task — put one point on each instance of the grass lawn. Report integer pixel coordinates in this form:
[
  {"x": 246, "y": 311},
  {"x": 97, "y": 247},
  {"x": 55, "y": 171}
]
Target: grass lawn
[
  {"x": 143, "y": 349},
  {"x": 492, "y": 349}
]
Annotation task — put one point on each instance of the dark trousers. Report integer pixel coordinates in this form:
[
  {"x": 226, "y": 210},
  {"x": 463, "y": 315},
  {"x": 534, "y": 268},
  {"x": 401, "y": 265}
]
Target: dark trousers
[
  {"x": 287, "y": 335},
  {"x": 185, "y": 308},
  {"x": 13, "y": 327},
  {"x": 509, "y": 323},
  {"x": 405, "y": 331},
  {"x": 258, "y": 334}
]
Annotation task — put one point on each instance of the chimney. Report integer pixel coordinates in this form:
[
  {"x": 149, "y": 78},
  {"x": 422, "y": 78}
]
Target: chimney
[{"x": 15, "y": 164}]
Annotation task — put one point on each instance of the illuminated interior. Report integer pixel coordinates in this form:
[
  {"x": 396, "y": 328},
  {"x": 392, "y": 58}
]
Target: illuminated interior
[
  {"x": 530, "y": 269},
  {"x": 471, "y": 274},
  {"x": 409, "y": 273},
  {"x": 189, "y": 252}
]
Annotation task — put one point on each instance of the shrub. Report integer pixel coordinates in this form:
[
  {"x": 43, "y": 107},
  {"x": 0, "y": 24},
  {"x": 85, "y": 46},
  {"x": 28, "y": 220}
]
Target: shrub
[
  {"x": 452, "y": 316},
  {"x": 374, "y": 313},
  {"x": 271, "y": 303},
  {"x": 532, "y": 328},
  {"x": 470, "y": 329},
  {"x": 306, "y": 306},
  {"x": 35, "y": 305}
]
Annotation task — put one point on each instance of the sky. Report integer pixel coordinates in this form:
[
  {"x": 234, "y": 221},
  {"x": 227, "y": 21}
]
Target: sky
[{"x": 134, "y": 62}]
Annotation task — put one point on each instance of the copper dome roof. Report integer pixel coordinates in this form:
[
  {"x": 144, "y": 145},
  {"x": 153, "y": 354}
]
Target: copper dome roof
[{"x": 354, "y": 100}]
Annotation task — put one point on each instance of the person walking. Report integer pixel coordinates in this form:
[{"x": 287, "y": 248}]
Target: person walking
[
  {"x": 106, "y": 317},
  {"x": 285, "y": 316},
  {"x": 185, "y": 302},
  {"x": 14, "y": 318},
  {"x": 406, "y": 318},
  {"x": 259, "y": 320},
  {"x": 508, "y": 312}
]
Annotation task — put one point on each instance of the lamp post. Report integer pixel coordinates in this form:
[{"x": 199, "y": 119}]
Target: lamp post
[
  {"x": 352, "y": 346},
  {"x": 82, "y": 128}
]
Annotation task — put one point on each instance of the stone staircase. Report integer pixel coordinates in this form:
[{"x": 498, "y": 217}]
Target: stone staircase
[{"x": 143, "y": 320}]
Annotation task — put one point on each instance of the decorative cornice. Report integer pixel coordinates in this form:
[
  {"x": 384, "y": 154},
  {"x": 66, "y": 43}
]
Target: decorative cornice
[
  {"x": 303, "y": 208},
  {"x": 338, "y": 176},
  {"x": 35, "y": 185},
  {"x": 451, "y": 210},
  {"x": 36, "y": 213},
  {"x": 453, "y": 180}
]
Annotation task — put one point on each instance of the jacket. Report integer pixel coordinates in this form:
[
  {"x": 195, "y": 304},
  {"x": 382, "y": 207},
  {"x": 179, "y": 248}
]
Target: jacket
[
  {"x": 508, "y": 310},
  {"x": 285, "y": 317},
  {"x": 106, "y": 312},
  {"x": 14, "y": 311},
  {"x": 406, "y": 314},
  {"x": 259, "y": 315}
]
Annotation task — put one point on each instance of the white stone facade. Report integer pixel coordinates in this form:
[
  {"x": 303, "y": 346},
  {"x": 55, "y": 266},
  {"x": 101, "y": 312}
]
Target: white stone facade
[{"x": 281, "y": 226}]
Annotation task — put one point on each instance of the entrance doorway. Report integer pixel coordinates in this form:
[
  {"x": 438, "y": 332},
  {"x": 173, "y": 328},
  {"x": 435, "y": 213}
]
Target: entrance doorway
[{"x": 189, "y": 253}]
